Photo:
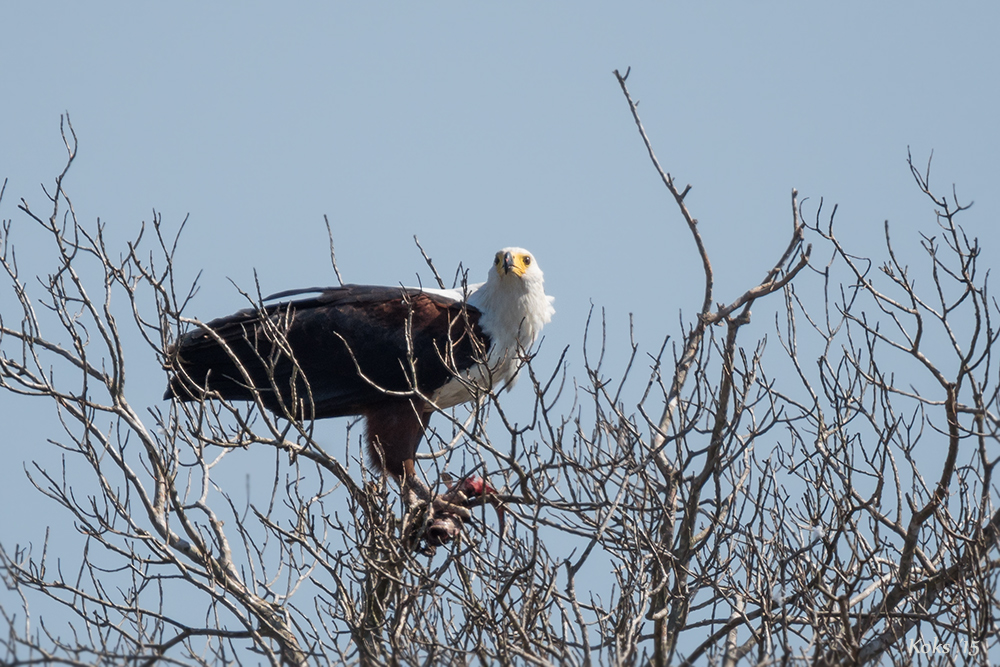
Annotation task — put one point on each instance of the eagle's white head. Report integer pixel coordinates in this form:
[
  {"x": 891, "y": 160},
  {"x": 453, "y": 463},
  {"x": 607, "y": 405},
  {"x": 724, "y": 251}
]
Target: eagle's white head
[
  {"x": 517, "y": 268},
  {"x": 514, "y": 306}
]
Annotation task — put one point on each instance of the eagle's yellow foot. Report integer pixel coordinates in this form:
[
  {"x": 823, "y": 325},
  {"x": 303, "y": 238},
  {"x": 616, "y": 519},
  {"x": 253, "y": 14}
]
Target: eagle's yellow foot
[
  {"x": 417, "y": 494},
  {"x": 431, "y": 519}
]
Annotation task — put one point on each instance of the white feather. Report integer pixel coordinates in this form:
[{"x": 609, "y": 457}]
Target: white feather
[{"x": 514, "y": 309}]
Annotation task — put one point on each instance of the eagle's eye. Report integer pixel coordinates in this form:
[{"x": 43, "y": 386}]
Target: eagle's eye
[
  {"x": 527, "y": 260},
  {"x": 496, "y": 260}
]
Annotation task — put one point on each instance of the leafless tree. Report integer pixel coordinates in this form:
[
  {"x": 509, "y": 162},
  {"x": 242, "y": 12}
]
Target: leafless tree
[{"x": 826, "y": 499}]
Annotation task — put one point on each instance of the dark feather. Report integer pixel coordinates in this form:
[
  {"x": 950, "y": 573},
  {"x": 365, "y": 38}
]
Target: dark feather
[{"x": 302, "y": 357}]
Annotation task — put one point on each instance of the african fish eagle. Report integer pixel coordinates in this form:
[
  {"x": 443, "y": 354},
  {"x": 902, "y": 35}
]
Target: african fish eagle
[{"x": 390, "y": 354}]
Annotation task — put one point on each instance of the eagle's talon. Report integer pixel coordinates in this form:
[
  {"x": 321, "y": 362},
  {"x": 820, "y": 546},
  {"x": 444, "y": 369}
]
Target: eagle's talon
[
  {"x": 434, "y": 521},
  {"x": 429, "y": 525},
  {"x": 446, "y": 507},
  {"x": 416, "y": 493}
]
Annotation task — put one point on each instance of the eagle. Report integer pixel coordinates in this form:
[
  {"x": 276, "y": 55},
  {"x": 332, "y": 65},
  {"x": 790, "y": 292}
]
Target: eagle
[{"x": 392, "y": 355}]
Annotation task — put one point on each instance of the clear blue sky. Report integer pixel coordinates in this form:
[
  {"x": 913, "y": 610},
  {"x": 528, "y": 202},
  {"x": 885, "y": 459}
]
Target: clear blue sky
[{"x": 479, "y": 125}]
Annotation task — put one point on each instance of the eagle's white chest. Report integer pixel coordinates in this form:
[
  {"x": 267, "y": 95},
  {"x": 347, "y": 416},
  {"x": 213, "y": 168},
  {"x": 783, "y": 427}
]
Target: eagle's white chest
[{"x": 512, "y": 317}]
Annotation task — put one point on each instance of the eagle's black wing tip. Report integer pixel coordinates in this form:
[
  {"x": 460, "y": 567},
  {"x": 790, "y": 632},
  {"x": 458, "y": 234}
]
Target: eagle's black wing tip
[{"x": 176, "y": 390}]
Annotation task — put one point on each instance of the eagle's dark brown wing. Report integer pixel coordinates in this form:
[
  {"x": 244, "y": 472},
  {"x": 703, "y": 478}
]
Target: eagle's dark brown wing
[{"x": 303, "y": 356}]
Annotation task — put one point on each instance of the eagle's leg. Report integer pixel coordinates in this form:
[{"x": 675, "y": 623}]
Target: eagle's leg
[{"x": 394, "y": 431}]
